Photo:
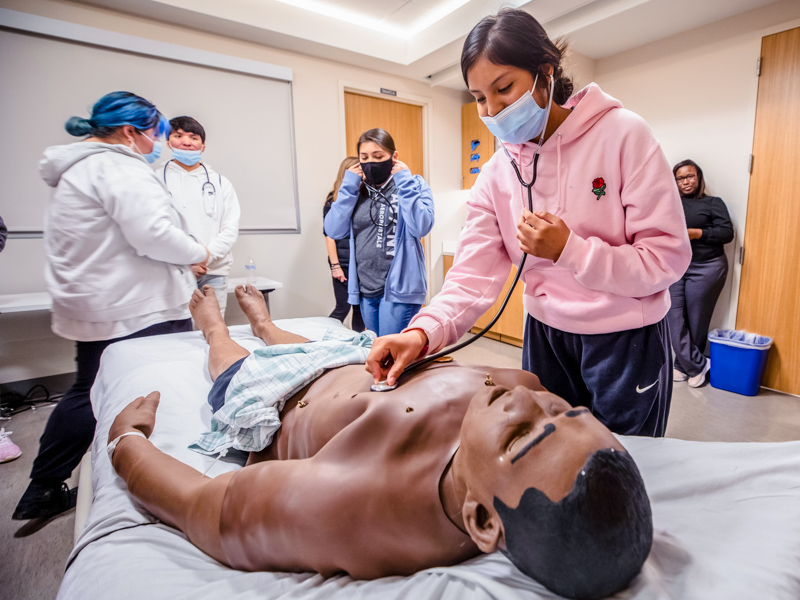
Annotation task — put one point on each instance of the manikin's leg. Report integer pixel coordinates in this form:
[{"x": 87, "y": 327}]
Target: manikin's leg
[
  {"x": 173, "y": 491},
  {"x": 223, "y": 351},
  {"x": 254, "y": 307}
]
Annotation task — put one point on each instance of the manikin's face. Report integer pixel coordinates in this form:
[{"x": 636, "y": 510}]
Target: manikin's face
[
  {"x": 185, "y": 140},
  {"x": 687, "y": 180},
  {"x": 495, "y": 87},
  {"x": 520, "y": 438}
]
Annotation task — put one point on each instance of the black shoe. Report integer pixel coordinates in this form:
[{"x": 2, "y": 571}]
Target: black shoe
[{"x": 42, "y": 501}]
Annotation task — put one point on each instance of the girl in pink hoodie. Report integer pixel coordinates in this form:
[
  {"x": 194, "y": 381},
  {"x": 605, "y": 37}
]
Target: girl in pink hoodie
[{"x": 605, "y": 237}]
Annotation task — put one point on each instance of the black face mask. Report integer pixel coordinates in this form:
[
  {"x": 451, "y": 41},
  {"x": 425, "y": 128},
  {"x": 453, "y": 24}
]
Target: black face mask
[{"x": 377, "y": 172}]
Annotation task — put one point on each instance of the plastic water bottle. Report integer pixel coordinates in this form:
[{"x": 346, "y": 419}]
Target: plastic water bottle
[{"x": 250, "y": 269}]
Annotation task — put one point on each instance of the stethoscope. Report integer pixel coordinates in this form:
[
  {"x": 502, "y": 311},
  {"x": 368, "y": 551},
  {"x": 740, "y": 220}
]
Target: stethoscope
[
  {"x": 382, "y": 386},
  {"x": 207, "y": 190},
  {"x": 377, "y": 200}
]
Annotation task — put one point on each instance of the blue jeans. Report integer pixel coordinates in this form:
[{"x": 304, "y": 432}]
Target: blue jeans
[
  {"x": 385, "y": 317},
  {"x": 220, "y": 285}
]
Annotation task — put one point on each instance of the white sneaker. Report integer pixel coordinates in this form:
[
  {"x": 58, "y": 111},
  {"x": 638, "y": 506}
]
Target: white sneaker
[
  {"x": 700, "y": 378},
  {"x": 679, "y": 375},
  {"x": 8, "y": 449}
]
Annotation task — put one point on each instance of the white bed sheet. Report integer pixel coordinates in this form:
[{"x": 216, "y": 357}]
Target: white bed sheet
[{"x": 727, "y": 516}]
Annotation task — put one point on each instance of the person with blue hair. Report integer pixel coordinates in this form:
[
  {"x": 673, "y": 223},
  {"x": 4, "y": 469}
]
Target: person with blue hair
[{"x": 118, "y": 267}]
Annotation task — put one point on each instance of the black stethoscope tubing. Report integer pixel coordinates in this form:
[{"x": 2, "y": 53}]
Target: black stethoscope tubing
[
  {"x": 377, "y": 198},
  {"x": 424, "y": 361}
]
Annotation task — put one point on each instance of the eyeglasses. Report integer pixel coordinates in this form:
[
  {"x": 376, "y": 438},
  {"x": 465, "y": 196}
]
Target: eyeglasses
[{"x": 685, "y": 178}]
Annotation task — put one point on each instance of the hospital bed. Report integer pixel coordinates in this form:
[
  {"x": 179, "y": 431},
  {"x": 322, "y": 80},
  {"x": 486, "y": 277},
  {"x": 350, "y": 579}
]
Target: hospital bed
[{"x": 727, "y": 516}]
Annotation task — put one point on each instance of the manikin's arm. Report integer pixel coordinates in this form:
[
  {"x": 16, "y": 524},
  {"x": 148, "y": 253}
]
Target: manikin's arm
[
  {"x": 261, "y": 507},
  {"x": 174, "y": 492}
]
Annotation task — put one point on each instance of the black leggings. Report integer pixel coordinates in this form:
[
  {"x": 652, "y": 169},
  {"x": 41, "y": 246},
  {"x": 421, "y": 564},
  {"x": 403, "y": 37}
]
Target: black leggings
[
  {"x": 70, "y": 428},
  {"x": 342, "y": 307}
]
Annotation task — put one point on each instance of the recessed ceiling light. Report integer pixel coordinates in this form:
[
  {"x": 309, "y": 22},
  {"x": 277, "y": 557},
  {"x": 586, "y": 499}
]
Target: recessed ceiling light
[{"x": 355, "y": 18}]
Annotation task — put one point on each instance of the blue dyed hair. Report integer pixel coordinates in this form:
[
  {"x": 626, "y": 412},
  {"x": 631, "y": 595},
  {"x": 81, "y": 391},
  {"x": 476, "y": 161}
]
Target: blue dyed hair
[{"x": 115, "y": 110}]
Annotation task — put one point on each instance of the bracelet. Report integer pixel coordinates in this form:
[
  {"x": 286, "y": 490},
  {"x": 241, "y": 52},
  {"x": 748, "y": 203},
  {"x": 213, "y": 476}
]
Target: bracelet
[
  {"x": 335, "y": 266},
  {"x": 112, "y": 445}
]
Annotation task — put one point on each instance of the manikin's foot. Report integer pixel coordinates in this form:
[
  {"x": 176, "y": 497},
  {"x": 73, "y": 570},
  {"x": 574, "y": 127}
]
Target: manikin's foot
[
  {"x": 253, "y": 305},
  {"x": 204, "y": 307}
]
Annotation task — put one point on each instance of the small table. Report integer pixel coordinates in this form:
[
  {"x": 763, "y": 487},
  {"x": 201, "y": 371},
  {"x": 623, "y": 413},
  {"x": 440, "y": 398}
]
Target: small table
[{"x": 12, "y": 303}]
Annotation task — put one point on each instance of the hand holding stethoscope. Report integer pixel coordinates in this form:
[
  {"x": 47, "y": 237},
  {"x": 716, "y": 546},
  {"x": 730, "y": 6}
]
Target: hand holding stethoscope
[{"x": 542, "y": 234}]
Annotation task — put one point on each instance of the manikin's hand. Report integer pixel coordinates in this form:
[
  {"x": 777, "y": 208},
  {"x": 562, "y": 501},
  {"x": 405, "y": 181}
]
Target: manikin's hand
[
  {"x": 356, "y": 168},
  {"x": 542, "y": 234},
  {"x": 391, "y": 354},
  {"x": 138, "y": 415},
  {"x": 398, "y": 166}
]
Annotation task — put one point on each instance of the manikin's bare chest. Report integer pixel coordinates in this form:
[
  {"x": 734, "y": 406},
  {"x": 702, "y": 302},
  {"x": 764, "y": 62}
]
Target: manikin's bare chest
[
  {"x": 339, "y": 409},
  {"x": 369, "y": 497}
]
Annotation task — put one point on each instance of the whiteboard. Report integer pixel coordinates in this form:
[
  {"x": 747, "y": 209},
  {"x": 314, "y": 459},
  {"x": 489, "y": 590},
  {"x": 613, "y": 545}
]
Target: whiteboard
[{"x": 245, "y": 107}]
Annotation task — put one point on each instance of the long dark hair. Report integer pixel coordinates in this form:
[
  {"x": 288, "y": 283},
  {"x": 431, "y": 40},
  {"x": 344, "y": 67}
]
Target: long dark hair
[
  {"x": 700, "y": 192},
  {"x": 513, "y": 37}
]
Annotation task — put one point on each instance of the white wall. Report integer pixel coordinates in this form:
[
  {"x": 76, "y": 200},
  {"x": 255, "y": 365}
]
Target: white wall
[
  {"x": 697, "y": 90},
  {"x": 28, "y": 349}
]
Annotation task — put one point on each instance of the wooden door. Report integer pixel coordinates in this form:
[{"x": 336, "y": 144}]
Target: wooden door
[
  {"x": 402, "y": 121},
  {"x": 769, "y": 296}
]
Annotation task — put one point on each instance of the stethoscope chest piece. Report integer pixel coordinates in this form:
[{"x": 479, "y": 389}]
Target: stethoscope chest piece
[{"x": 382, "y": 386}]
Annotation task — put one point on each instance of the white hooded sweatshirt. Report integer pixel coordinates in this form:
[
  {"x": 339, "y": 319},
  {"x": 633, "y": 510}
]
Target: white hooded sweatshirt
[
  {"x": 117, "y": 258},
  {"x": 217, "y": 231}
]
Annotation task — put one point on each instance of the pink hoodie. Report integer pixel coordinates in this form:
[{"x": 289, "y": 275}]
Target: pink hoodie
[{"x": 626, "y": 246}]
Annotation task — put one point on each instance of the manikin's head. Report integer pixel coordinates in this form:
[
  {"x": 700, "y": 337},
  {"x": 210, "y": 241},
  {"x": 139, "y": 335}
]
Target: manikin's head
[{"x": 551, "y": 487}]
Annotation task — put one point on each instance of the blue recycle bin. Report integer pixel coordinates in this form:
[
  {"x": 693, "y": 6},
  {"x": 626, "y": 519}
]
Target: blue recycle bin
[{"x": 738, "y": 360}]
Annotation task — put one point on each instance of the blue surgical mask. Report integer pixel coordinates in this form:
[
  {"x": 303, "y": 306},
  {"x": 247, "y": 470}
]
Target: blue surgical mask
[
  {"x": 155, "y": 153},
  {"x": 521, "y": 121},
  {"x": 186, "y": 157}
]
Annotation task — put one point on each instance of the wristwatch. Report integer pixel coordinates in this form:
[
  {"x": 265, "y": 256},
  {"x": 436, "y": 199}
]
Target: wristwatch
[{"x": 112, "y": 445}]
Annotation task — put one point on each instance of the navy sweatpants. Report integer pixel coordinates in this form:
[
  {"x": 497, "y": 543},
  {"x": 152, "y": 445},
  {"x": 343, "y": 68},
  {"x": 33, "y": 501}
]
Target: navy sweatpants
[
  {"x": 70, "y": 428},
  {"x": 624, "y": 377}
]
